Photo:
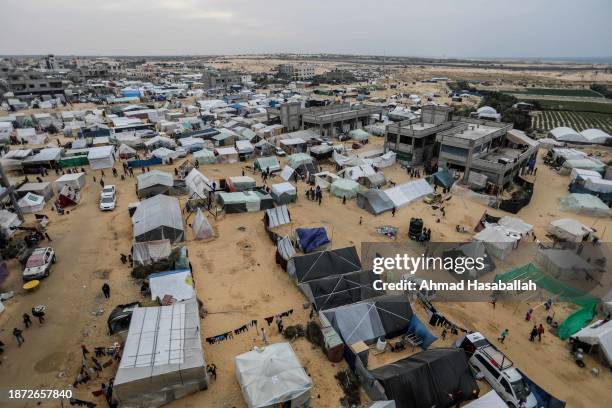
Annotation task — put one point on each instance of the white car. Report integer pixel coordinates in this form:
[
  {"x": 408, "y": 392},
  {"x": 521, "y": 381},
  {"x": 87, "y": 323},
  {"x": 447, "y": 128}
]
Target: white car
[
  {"x": 39, "y": 264},
  {"x": 108, "y": 190},
  {"x": 108, "y": 202}
]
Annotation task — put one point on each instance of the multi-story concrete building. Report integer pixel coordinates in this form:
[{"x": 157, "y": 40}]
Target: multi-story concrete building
[
  {"x": 221, "y": 79},
  {"x": 33, "y": 82},
  {"x": 334, "y": 120},
  {"x": 296, "y": 72}
]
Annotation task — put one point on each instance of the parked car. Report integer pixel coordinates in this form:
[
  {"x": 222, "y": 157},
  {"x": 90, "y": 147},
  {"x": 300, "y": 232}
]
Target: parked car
[
  {"x": 108, "y": 190},
  {"x": 280, "y": 152},
  {"x": 108, "y": 202},
  {"x": 39, "y": 264}
]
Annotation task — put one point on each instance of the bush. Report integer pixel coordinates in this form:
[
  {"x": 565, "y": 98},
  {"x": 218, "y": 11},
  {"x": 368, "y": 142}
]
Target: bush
[
  {"x": 293, "y": 332},
  {"x": 314, "y": 334},
  {"x": 350, "y": 386}
]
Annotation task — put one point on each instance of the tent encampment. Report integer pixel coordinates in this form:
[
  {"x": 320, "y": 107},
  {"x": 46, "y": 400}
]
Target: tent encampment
[
  {"x": 427, "y": 379},
  {"x": 273, "y": 377},
  {"x": 172, "y": 286},
  {"x": 374, "y": 201},
  {"x": 74, "y": 180},
  {"x": 162, "y": 358},
  {"x": 158, "y": 217},
  {"x": 323, "y": 264}
]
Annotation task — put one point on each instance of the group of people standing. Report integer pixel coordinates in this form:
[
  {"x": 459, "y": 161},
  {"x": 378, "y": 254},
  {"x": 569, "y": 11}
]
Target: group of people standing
[{"x": 315, "y": 194}]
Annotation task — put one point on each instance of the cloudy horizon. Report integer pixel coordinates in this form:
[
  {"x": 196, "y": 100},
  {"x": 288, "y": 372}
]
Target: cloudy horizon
[{"x": 473, "y": 29}]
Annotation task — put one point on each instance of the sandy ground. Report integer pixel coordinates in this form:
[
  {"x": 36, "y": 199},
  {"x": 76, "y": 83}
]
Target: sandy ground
[{"x": 238, "y": 280}]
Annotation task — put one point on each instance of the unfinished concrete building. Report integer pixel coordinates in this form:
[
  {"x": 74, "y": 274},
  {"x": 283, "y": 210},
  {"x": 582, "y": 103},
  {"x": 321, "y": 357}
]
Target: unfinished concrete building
[{"x": 334, "y": 120}]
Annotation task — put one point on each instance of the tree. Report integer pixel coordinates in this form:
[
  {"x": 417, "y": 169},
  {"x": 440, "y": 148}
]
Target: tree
[{"x": 520, "y": 119}]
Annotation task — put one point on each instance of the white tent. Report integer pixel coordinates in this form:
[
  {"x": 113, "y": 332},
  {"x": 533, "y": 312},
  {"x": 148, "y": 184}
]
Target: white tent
[
  {"x": 74, "y": 180},
  {"x": 516, "y": 225},
  {"x": 31, "y": 203},
  {"x": 598, "y": 185},
  {"x": 198, "y": 184},
  {"x": 126, "y": 151},
  {"x": 595, "y": 136},
  {"x": 497, "y": 241},
  {"x": 583, "y": 174},
  {"x": 404, "y": 194},
  {"x": 165, "y": 154},
  {"x": 563, "y": 263},
  {"x": 162, "y": 359},
  {"x": 283, "y": 193},
  {"x": 569, "y": 229},
  {"x": 178, "y": 284},
  {"x": 273, "y": 376},
  {"x": 244, "y": 147},
  {"x": 101, "y": 157},
  {"x": 8, "y": 220},
  {"x": 566, "y": 134},
  {"x": 490, "y": 400},
  {"x": 586, "y": 204},
  {"x": 226, "y": 154},
  {"x": 201, "y": 227},
  {"x": 599, "y": 333},
  {"x": 286, "y": 173}
]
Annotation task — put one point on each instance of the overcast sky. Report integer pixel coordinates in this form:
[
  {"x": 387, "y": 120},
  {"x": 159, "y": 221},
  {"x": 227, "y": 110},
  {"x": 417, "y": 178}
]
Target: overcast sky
[{"x": 430, "y": 28}]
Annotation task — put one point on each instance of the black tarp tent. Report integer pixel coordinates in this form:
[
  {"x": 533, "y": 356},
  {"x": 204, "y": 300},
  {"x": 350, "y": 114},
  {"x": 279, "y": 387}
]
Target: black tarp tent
[
  {"x": 325, "y": 263},
  {"x": 430, "y": 378},
  {"x": 339, "y": 290}
]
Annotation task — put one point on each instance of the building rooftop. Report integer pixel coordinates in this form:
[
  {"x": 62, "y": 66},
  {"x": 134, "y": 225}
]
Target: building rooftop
[{"x": 476, "y": 132}]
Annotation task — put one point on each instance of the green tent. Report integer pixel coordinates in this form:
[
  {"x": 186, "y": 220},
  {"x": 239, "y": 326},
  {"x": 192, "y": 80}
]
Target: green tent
[{"x": 74, "y": 161}]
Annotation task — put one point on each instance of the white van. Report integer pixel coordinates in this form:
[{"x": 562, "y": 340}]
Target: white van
[{"x": 492, "y": 365}]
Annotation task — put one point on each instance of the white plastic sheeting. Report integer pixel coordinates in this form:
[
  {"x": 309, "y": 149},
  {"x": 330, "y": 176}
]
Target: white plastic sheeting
[
  {"x": 153, "y": 178},
  {"x": 158, "y": 217},
  {"x": 31, "y": 203},
  {"x": 198, "y": 184},
  {"x": 226, "y": 154},
  {"x": 201, "y": 227},
  {"x": 586, "y": 204},
  {"x": 286, "y": 173},
  {"x": 569, "y": 229},
  {"x": 404, "y": 194},
  {"x": 8, "y": 220},
  {"x": 583, "y": 174},
  {"x": 271, "y": 376},
  {"x": 344, "y": 188},
  {"x": 74, "y": 180},
  {"x": 101, "y": 157},
  {"x": 146, "y": 253},
  {"x": 178, "y": 284},
  {"x": 516, "y": 225},
  {"x": 489, "y": 400},
  {"x": 598, "y": 185},
  {"x": 497, "y": 241},
  {"x": 599, "y": 333},
  {"x": 278, "y": 216}
]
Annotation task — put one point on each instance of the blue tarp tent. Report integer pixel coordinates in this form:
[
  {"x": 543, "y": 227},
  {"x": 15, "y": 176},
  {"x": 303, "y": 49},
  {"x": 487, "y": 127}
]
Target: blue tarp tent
[
  {"x": 311, "y": 239},
  {"x": 419, "y": 329},
  {"x": 545, "y": 400}
]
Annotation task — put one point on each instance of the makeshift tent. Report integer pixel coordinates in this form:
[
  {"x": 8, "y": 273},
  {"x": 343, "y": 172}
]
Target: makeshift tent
[
  {"x": 296, "y": 160},
  {"x": 8, "y": 221},
  {"x": 344, "y": 188},
  {"x": 427, "y": 379},
  {"x": 312, "y": 239},
  {"x": 386, "y": 160},
  {"x": 586, "y": 204},
  {"x": 204, "y": 156},
  {"x": 165, "y": 154},
  {"x": 471, "y": 250},
  {"x": 356, "y": 172},
  {"x": 153, "y": 182},
  {"x": 595, "y": 136},
  {"x": 44, "y": 189},
  {"x": 561, "y": 291},
  {"x": 287, "y": 173},
  {"x": 226, "y": 154},
  {"x": 598, "y": 185},
  {"x": 323, "y": 264},
  {"x": 359, "y": 135},
  {"x": 159, "y": 141},
  {"x": 443, "y": 178},
  {"x": 586, "y": 163},
  {"x": 275, "y": 217},
  {"x": 172, "y": 286},
  {"x": 69, "y": 196},
  {"x": 102, "y": 157},
  {"x": 273, "y": 377},
  {"x": 515, "y": 225},
  {"x": 246, "y": 201},
  {"x": 374, "y": 201},
  {"x": 74, "y": 180},
  {"x": 490, "y": 400},
  {"x": 566, "y": 134},
  {"x": 31, "y": 203},
  {"x": 240, "y": 183},
  {"x": 284, "y": 193},
  {"x": 583, "y": 174},
  {"x": 45, "y": 157},
  {"x": 563, "y": 263},
  {"x": 193, "y": 144},
  {"x": 568, "y": 229},
  {"x": 284, "y": 251},
  {"x": 198, "y": 184},
  {"x": 321, "y": 152},
  {"x": 158, "y": 217},
  {"x": 598, "y": 334},
  {"x": 267, "y": 163},
  {"x": 150, "y": 252},
  {"x": 338, "y": 290},
  {"x": 162, "y": 359},
  {"x": 383, "y": 316},
  {"x": 244, "y": 147},
  {"x": 404, "y": 194},
  {"x": 201, "y": 227},
  {"x": 498, "y": 241}
]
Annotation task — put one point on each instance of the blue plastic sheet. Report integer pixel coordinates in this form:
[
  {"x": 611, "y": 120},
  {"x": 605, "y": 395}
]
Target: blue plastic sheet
[
  {"x": 419, "y": 329},
  {"x": 312, "y": 238}
]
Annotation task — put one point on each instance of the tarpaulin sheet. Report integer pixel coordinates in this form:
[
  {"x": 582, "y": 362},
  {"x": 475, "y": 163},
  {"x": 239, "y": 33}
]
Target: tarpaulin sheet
[{"x": 312, "y": 238}]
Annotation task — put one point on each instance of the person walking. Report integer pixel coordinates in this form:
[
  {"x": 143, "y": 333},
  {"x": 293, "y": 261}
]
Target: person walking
[
  {"x": 540, "y": 332},
  {"x": 502, "y": 336},
  {"x": 264, "y": 336},
  {"x": 106, "y": 290},
  {"x": 212, "y": 370},
  {"x": 26, "y": 320},
  {"x": 534, "y": 333},
  {"x": 279, "y": 324},
  {"x": 19, "y": 336}
]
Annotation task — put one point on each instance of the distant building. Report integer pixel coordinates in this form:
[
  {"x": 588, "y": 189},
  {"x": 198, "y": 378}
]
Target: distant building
[
  {"x": 337, "y": 76},
  {"x": 33, "y": 82},
  {"x": 221, "y": 79},
  {"x": 296, "y": 72}
]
